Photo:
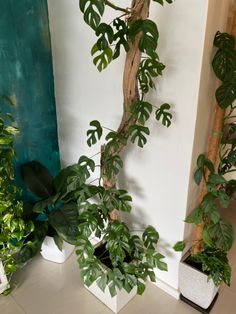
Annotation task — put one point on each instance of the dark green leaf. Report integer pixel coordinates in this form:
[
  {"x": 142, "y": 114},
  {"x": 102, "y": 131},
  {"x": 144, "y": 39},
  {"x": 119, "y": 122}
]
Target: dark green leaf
[
  {"x": 58, "y": 241},
  {"x": 150, "y": 237},
  {"x": 195, "y": 217},
  {"x": 164, "y": 115},
  {"x": 94, "y": 134},
  {"x": 179, "y": 246},
  {"x": 38, "y": 179},
  {"x": 93, "y": 10},
  {"x": 141, "y": 111},
  {"x": 103, "y": 57},
  {"x": 221, "y": 235},
  {"x": 137, "y": 133},
  {"x": 226, "y": 94}
]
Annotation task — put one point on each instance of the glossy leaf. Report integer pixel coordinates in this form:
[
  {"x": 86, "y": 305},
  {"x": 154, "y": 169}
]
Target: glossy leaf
[
  {"x": 141, "y": 110},
  {"x": 93, "y": 11},
  {"x": 179, "y": 246},
  {"x": 164, "y": 115},
  {"x": 94, "y": 134},
  {"x": 137, "y": 133},
  {"x": 38, "y": 179},
  {"x": 102, "y": 58}
]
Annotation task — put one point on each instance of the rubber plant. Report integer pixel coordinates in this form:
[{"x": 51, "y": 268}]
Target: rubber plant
[
  {"x": 54, "y": 210},
  {"x": 132, "y": 258},
  {"x": 212, "y": 243},
  {"x": 13, "y": 228}
]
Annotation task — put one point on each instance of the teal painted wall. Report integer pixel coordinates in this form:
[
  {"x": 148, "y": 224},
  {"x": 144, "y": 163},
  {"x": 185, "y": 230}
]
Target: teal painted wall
[{"x": 26, "y": 75}]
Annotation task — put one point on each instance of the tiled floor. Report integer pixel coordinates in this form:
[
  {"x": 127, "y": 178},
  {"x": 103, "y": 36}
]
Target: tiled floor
[{"x": 48, "y": 288}]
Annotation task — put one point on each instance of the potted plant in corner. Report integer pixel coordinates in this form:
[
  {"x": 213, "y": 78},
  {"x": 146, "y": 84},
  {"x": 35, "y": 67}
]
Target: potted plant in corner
[
  {"x": 202, "y": 272},
  {"x": 13, "y": 228},
  {"x": 123, "y": 261},
  {"x": 54, "y": 211}
]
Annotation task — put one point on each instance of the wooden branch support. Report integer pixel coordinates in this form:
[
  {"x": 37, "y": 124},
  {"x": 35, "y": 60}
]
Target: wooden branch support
[
  {"x": 214, "y": 141},
  {"x": 140, "y": 10}
]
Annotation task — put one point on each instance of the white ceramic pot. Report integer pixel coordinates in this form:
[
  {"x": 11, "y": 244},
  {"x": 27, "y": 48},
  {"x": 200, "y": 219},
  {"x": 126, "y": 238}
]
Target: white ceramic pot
[
  {"x": 4, "y": 284},
  {"x": 195, "y": 286},
  {"x": 50, "y": 251},
  {"x": 115, "y": 303}
]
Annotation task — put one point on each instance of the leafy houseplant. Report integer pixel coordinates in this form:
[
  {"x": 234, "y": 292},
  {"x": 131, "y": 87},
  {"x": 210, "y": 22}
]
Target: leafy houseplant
[
  {"x": 13, "y": 228},
  {"x": 99, "y": 204},
  {"x": 54, "y": 211},
  {"x": 217, "y": 234}
]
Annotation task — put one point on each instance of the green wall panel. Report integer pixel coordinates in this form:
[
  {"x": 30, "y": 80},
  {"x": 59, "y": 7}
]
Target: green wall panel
[{"x": 26, "y": 75}]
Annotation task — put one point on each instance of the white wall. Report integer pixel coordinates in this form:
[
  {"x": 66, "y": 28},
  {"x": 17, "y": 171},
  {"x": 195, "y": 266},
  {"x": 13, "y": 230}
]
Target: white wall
[{"x": 158, "y": 175}]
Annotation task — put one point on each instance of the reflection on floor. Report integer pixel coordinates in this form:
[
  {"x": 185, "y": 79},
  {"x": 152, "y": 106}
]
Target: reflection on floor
[{"x": 48, "y": 288}]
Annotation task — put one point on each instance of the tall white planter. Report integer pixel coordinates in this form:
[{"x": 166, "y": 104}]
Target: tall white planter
[
  {"x": 115, "y": 303},
  {"x": 3, "y": 279},
  {"x": 195, "y": 286},
  {"x": 50, "y": 251}
]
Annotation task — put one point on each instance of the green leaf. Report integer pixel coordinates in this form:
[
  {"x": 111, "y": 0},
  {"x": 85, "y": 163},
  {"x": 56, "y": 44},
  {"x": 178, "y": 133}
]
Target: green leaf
[
  {"x": 150, "y": 237},
  {"x": 216, "y": 179},
  {"x": 120, "y": 36},
  {"x": 114, "y": 140},
  {"x": 58, "y": 241},
  {"x": 103, "y": 57},
  {"x": 102, "y": 282},
  {"x": 226, "y": 94},
  {"x": 162, "y": 1},
  {"x": 137, "y": 133},
  {"x": 65, "y": 221},
  {"x": 112, "y": 165},
  {"x": 224, "y": 40},
  {"x": 215, "y": 216},
  {"x": 105, "y": 32},
  {"x": 141, "y": 110},
  {"x": 224, "y": 198},
  {"x": 221, "y": 234},
  {"x": 94, "y": 134},
  {"x": 149, "y": 35},
  {"x": 224, "y": 63},
  {"x": 140, "y": 287},
  {"x": 149, "y": 68},
  {"x": 195, "y": 217},
  {"x": 179, "y": 246},
  {"x": 162, "y": 113},
  {"x": 87, "y": 164},
  {"x": 198, "y": 175},
  {"x": 38, "y": 179},
  {"x": 93, "y": 11},
  {"x": 158, "y": 263}
]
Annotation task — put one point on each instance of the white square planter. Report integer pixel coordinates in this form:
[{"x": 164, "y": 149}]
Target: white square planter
[
  {"x": 4, "y": 284},
  {"x": 115, "y": 303},
  {"x": 50, "y": 251},
  {"x": 195, "y": 286}
]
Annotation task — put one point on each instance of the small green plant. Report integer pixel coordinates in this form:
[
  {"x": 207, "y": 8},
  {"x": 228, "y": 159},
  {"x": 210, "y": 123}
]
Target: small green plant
[
  {"x": 54, "y": 211},
  {"x": 13, "y": 228},
  {"x": 217, "y": 235}
]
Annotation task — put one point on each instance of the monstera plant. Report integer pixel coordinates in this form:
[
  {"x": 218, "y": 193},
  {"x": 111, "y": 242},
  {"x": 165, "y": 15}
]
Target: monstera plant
[
  {"x": 130, "y": 258},
  {"x": 213, "y": 234}
]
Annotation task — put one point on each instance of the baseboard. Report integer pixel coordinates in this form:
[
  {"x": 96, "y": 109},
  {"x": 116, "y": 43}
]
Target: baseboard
[{"x": 168, "y": 289}]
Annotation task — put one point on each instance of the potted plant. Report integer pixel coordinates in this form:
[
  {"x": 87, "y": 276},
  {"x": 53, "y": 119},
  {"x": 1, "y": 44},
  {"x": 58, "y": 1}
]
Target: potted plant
[
  {"x": 13, "y": 229},
  {"x": 54, "y": 210},
  {"x": 125, "y": 260},
  {"x": 202, "y": 272}
]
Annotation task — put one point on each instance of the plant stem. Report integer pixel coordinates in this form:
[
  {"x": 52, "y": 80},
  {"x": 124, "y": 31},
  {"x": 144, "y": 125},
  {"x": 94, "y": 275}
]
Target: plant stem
[{"x": 115, "y": 7}]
